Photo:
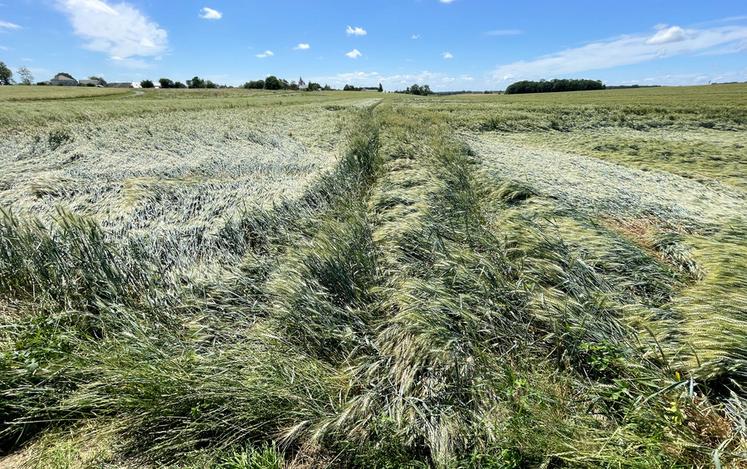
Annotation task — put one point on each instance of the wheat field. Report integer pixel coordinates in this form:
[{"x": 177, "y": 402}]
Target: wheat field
[{"x": 252, "y": 279}]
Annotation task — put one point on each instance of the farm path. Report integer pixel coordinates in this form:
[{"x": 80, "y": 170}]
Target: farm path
[{"x": 598, "y": 187}]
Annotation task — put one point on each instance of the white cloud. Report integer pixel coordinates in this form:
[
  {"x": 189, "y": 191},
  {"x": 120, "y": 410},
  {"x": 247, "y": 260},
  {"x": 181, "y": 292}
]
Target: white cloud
[
  {"x": 447, "y": 55},
  {"x": 210, "y": 14},
  {"x": 8, "y": 25},
  {"x": 118, "y": 30},
  {"x": 415, "y": 37},
  {"x": 666, "y": 35},
  {"x": 504, "y": 32},
  {"x": 302, "y": 46},
  {"x": 675, "y": 79},
  {"x": 265, "y": 54},
  {"x": 354, "y": 54},
  {"x": 446, "y": 1},
  {"x": 626, "y": 50},
  {"x": 728, "y": 19},
  {"x": 355, "y": 31}
]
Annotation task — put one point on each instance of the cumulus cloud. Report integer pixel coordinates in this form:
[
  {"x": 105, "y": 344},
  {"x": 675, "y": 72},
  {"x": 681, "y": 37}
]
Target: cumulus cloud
[
  {"x": 627, "y": 50},
  {"x": 678, "y": 79},
  {"x": 354, "y": 54},
  {"x": 355, "y": 31},
  {"x": 265, "y": 54},
  {"x": 446, "y": 1},
  {"x": 302, "y": 46},
  {"x": 8, "y": 25},
  {"x": 447, "y": 55},
  {"x": 667, "y": 35},
  {"x": 210, "y": 14},
  {"x": 415, "y": 37},
  {"x": 118, "y": 30}
]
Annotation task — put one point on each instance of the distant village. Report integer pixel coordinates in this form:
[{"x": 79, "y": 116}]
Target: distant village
[
  {"x": 269, "y": 83},
  {"x": 65, "y": 79}
]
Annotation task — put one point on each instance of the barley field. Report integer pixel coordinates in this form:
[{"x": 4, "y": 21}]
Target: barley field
[{"x": 253, "y": 279}]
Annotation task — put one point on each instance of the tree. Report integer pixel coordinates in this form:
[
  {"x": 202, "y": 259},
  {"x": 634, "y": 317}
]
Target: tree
[
  {"x": 311, "y": 86},
  {"x": 255, "y": 85},
  {"x": 6, "y": 76},
  {"x": 544, "y": 86},
  {"x": 26, "y": 77},
  {"x": 418, "y": 90},
  {"x": 147, "y": 84},
  {"x": 166, "y": 83},
  {"x": 99, "y": 79},
  {"x": 179, "y": 85},
  {"x": 196, "y": 82},
  {"x": 210, "y": 84},
  {"x": 273, "y": 83},
  {"x": 381, "y": 88}
]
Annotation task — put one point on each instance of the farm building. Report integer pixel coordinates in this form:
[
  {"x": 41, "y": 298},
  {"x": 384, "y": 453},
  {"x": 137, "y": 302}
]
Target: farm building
[
  {"x": 91, "y": 83},
  {"x": 63, "y": 79},
  {"x": 126, "y": 84}
]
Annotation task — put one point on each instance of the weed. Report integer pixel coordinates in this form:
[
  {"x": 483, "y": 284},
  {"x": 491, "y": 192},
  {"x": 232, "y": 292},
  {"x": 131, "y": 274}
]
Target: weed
[{"x": 59, "y": 137}]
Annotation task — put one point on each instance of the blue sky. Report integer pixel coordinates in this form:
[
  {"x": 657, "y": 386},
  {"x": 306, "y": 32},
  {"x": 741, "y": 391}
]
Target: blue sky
[{"x": 450, "y": 44}]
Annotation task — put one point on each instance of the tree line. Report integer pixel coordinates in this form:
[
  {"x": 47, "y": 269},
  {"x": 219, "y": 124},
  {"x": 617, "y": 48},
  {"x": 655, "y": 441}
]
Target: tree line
[
  {"x": 379, "y": 88},
  {"x": 167, "y": 83},
  {"x": 270, "y": 83},
  {"x": 195, "y": 82},
  {"x": 551, "y": 86},
  {"x": 274, "y": 83},
  {"x": 417, "y": 90}
]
